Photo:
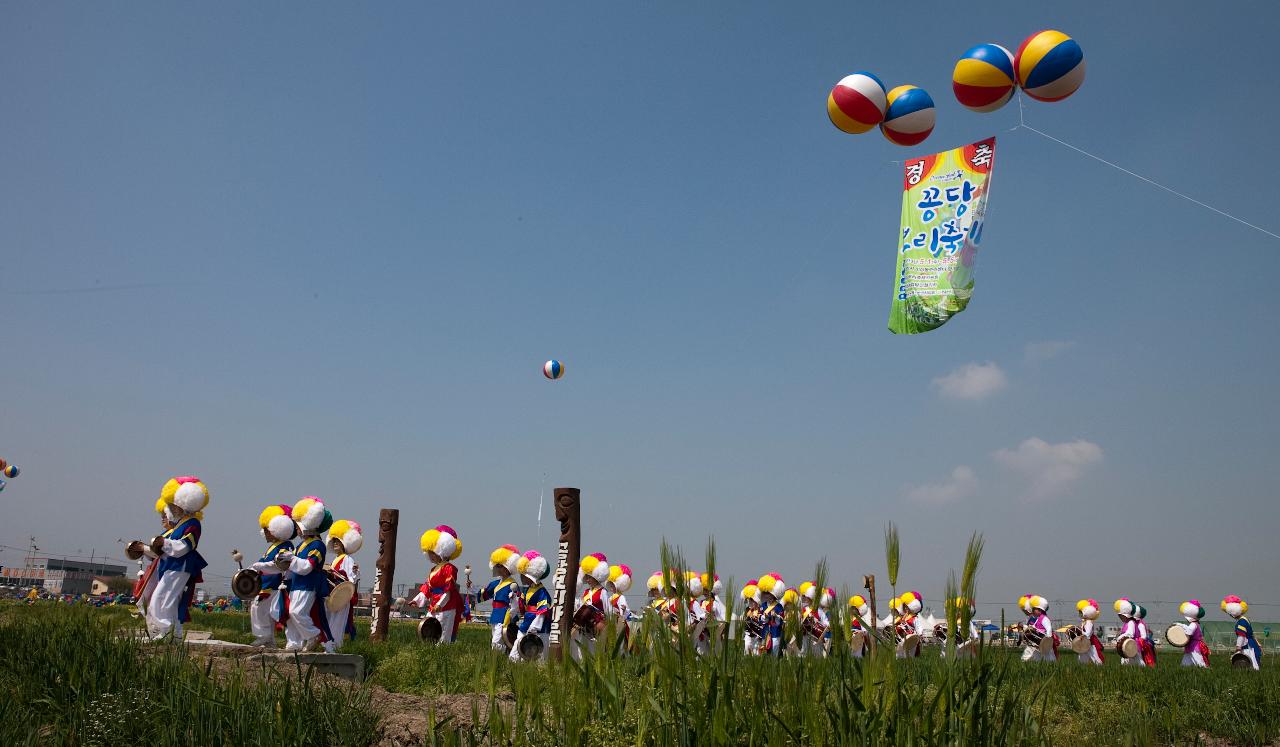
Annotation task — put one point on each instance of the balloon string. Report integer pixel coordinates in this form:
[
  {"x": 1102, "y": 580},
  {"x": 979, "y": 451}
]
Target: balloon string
[{"x": 1022, "y": 124}]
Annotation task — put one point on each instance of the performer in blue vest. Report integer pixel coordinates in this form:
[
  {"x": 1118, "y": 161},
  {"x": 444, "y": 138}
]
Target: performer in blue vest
[
  {"x": 180, "y": 564},
  {"x": 1246, "y": 643},
  {"x": 533, "y": 568},
  {"x": 773, "y": 614},
  {"x": 503, "y": 592},
  {"x": 306, "y": 625},
  {"x": 266, "y": 609}
]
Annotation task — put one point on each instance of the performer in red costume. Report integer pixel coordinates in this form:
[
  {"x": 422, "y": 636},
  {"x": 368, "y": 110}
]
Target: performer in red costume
[{"x": 440, "y": 595}]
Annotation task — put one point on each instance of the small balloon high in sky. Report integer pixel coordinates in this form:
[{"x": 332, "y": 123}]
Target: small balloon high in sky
[{"x": 553, "y": 369}]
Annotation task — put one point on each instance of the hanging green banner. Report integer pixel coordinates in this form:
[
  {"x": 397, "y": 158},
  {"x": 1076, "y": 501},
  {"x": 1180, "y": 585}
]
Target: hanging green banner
[{"x": 944, "y": 202}]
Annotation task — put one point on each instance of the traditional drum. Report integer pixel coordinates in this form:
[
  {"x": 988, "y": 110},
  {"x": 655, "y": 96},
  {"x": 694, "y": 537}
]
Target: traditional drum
[
  {"x": 857, "y": 639},
  {"x": 157, "y": 545},
  {"x": 510, "y": 632},
  {"x": 1046, "y": 645},
  {"x": 1126, "y": 648},
  {"x": 246, "y": 584},
  {"x": 909, "y": 643},
  {"x": 430, "y": 630},
  {"x": 1080, "y": 642},
  {"x": 813, "y": 628},
  {"x": 940, "y": 632},
  {"x": 531, "y": 646},
  {"x": 134, "y": 550},
  {"x": 589, "y": 619},
  {"x": 1032, "y": 637},
  {"x": 340, "y": 596},
  {"x": 1240, "y": 661},
  {"x": 1176, "y": 635}
]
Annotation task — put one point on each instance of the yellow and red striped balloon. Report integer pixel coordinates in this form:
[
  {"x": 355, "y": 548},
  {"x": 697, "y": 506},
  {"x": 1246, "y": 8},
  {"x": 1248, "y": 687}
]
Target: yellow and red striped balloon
[{"x": 857, "y": 103}]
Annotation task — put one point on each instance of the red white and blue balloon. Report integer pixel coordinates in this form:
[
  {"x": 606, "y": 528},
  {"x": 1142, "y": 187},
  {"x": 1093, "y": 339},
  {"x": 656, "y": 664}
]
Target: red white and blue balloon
[
  {"x": 910, "y": 116},
  {"x": 553, "y": 369}
]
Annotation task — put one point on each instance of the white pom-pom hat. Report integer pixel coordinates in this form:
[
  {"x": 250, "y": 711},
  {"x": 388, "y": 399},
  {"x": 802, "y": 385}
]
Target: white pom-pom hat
[
  {"x": 533, "y": 566},
  {"x": 187, "y": 493},
  {"x": 693, "y": 580},
  {"x": 1191, "y": 610},
  {"x": 311, "y": 515},
  {"x": 1039, "y": 603},
  {"x": 808, "y": 590},
  {"x": 1088, "y": 609},
  {"x": 595, "y": 565},
  {"x": 443, "y": 541},
  {"x": 620, "y": 575},
  {"x": 912, "y": 601},
  {"x": 1124, "y": 607},
  {"x": 828, "y": 596},
  {"x": 348, "y": 532},
  {"x": 657, "y": 582},
  {"x": 505, "y": 556},
  {"x": 751, "y": 592},
  {"x": 1234, "y": 605},
  {"x": 277, "y": 521},
  {"x": 858, "y": 604},
  {"x": 772, "y": 584}
]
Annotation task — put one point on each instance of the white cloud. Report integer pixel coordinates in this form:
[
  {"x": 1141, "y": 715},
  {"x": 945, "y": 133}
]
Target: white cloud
[
  {"x": 971, "y": 381},
  {"x": 1038, "y": 352},
  {"x": 1050, "y": 468},
  {"x": 961, "y": 484}
]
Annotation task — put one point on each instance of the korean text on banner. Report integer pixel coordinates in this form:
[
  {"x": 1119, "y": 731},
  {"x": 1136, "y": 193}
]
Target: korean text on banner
[{"x": 944, "y": 204}]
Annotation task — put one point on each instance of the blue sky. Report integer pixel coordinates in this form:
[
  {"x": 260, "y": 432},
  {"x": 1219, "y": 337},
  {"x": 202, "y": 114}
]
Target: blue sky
[{"x": 329, "y": 251}]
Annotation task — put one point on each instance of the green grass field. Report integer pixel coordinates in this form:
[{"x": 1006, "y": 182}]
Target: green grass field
[{"x": 671, "y": 697}]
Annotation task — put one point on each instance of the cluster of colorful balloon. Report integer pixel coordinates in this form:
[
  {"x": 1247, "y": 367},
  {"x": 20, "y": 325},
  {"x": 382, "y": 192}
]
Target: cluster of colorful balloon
[
  {"x": 859, "y": 102},
  {"x": 1049, "y": 66}
]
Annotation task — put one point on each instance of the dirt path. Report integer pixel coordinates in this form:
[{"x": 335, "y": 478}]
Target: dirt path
[{"x": 405, "y": 719}]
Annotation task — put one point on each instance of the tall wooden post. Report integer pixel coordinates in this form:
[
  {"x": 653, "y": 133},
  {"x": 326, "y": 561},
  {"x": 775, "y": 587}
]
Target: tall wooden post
[
  {"x": 565, "y": 588},
  {"x": 384, "y": 574},
  {"x": 869, "y": 583}
]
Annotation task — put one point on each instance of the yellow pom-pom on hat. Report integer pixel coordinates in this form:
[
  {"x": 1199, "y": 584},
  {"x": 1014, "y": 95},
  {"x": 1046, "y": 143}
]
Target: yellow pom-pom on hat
[
  {"x": 911, "y": 601},
  {"x": 711, "y": 583},
  {"x": 1124, "y": 607},
  {"x": 1039, "y": 603},
  {"x": 186, "y": 492},
  {"x": 790, "y": 598},
  {"x": 505, "y": 556},
  {"x": 859, "y": 604},
  {"x": 1234, "y": 605},
  {"x": 657, "y": 582},
  {"x": 808, "y": 590},
  {"x": 595, "y": 565},
  {"x": 348, "y": 532},
  {"x": 442, "y": 541},
  {"x": 277, "y": 521},
  {"x": 160, "y": 504},
  {"x": 311, "y": 515},
  {"x": 620, "y": 577},
  {"x": 751, "y": 592},
  {"x": 693, "y": 582},
  {"x": 772, "y": 584},
  {"x": 1088, "y": 609}
]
